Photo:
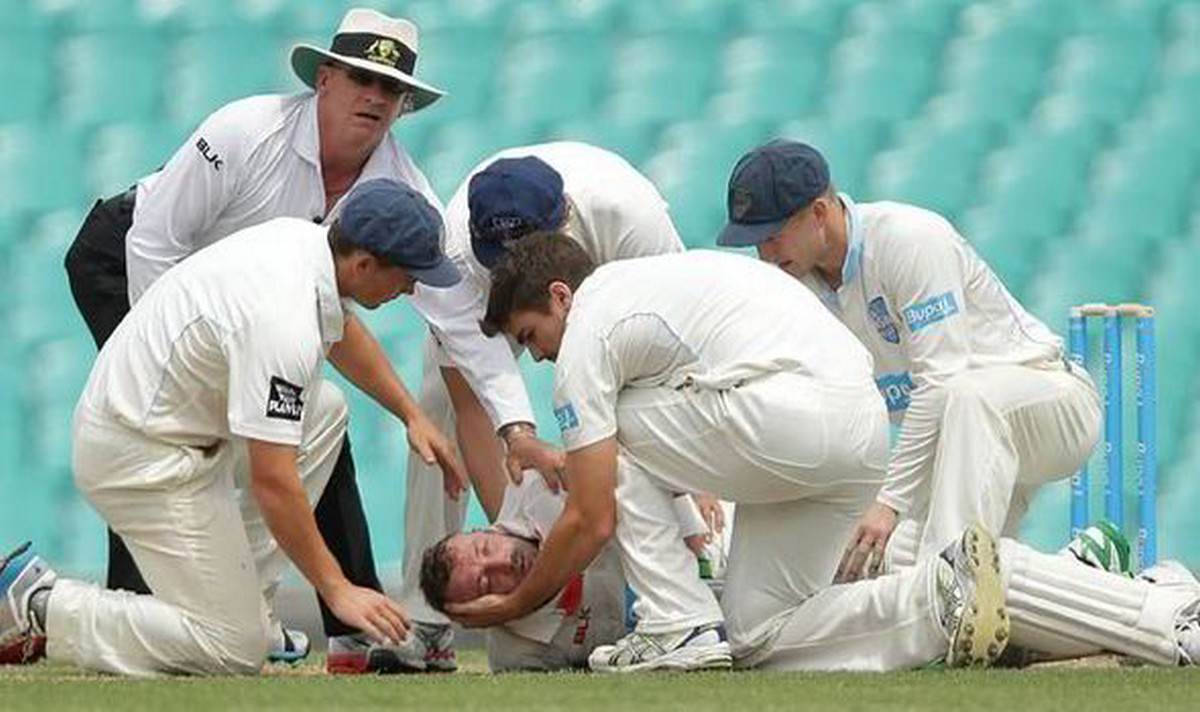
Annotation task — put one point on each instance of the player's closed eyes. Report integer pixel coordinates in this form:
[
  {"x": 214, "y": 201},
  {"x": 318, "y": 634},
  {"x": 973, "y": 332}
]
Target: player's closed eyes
[{"x": 363, "y": 78}]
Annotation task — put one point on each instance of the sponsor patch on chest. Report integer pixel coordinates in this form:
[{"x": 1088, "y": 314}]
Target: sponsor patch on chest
[
  {"x": 283, "y": 400},
  {"x": 930, "y": 311},
  {"x": 877, "y": 311}
]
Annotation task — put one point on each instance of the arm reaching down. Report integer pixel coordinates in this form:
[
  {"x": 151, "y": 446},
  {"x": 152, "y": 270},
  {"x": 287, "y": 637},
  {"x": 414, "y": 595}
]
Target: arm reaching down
[
  {"x": 275, "y": 484},
  {"x": 587, "y": 522}
]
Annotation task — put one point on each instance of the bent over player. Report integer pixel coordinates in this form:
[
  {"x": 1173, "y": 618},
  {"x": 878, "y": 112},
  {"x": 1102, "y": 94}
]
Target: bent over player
[
  {"x": 710, "y": 372},
  {"x": 990, "y": 407},
  {"x": 211, "y": 384}
]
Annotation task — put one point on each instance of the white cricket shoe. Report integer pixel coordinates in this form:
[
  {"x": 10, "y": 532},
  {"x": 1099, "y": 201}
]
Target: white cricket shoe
[
  {"x": 358, "y": 655},
  {"x": 971, "y": 597},
  {"x": 22, "y": 574},
  {"x": 701, "y": 648}
]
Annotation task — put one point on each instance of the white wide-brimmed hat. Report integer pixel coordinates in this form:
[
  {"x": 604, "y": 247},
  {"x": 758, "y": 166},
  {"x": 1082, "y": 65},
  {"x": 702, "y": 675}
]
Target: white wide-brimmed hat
[{"x": 375, "y": 42}]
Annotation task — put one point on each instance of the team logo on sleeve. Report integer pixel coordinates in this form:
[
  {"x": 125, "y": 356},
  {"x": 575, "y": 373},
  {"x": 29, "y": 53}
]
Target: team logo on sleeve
[
  {"x": 566, "y": 417},
  {"x": 284, "y": 401},
  {"x": 878, "y": 312},
  {"x": 930, "y": 311},
  {"x": 896, "y": 389}
]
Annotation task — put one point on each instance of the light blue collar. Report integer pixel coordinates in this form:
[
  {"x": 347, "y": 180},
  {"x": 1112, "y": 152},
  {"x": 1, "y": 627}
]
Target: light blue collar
[{"x": 853, "y": 264}]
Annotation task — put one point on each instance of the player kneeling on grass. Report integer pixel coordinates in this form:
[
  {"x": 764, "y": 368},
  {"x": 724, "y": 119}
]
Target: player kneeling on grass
[
  {"x": 588, "y": 612},
  {"x": 712, "y": 372},
  {"x": 211, "y": 383}
]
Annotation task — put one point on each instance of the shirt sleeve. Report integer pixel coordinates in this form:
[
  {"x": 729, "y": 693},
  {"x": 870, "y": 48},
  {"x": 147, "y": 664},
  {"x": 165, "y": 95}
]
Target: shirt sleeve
[
  {"x": 487, "y": 364},
  {"x": 923, "y": 274},
  {"x": 587, "y": 379},
  {"x": 271, "y": 373},
  {"x": 183, "y": 200}
]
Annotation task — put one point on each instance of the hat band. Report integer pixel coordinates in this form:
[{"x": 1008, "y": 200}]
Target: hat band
[{"x": 382, "y": 50}]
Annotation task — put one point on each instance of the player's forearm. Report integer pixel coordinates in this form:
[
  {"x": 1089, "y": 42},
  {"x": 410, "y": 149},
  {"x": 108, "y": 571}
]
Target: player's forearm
[
  {"x": 478, "y": 444},
  {"x": 911, "y": 461},
  {"x": 289, "y": 517},
  {"x": 360, "y": 358},
  {"x": 571, "y": 545}
]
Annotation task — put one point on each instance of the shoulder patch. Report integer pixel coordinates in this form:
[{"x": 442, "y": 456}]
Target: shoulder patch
[
  {"x": 930, "y": 311},
  {"x": 878, "y": 312},
  {"x": 566, "y": 417},
  {"x": 283, "y": 400}
]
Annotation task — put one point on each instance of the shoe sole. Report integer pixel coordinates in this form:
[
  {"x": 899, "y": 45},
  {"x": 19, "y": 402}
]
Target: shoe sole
[
  {"x": 983, "y": 632},
  {"x": 710, "y": 657},
  {"x": 375, "y": 662}
]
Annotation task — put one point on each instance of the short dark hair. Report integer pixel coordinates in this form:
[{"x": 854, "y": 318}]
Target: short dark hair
[
  {"x": 436, "y": 567},
  {"x": 521, "y": 281}
]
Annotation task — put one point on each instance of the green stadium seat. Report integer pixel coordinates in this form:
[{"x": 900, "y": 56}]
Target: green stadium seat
[
  {"x": 42, "y": 309},
  {"x": 694, "y": 184},
  {"x": 552, "y": 78},
  {"x": 803, "y": 20},
  {"x": 27, "y": 74},
  {"x": 768, "y": 77},
  {"x": 552, "y": 17},
  {"x": 932, "y": 18},
  {"x": 685, "y": 17},
  {"x": 459, "y": 146},
  {"x": 633, "y": 141},
  {"x": 461, "y": 62},
  {"x": 658, "y": 79},
  {"x": 886, "y": 77},
  {"x": 121, "y": 153},
  {"x": 126, "y": 86},
  {"x": 221, "y": 16},
  {"x": 121, "y": 16},
  {"x": 211, "y": 70},
  {"x": 41, "y": 167}
]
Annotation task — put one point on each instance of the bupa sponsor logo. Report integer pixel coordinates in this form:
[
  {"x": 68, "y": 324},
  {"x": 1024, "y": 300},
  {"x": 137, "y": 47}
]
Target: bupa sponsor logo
[
  {"x": 878, "y": 312},
  {"x": 896, "y": 389},
  {"x": 930, "y": 311},
  {"x": 566, "y": 417},
  {"x": 283, "y": 401}
]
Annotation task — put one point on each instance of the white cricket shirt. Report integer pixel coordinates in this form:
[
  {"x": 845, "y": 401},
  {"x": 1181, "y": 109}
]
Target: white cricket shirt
[
  {"x": 702, "y": 319},
  {"x": 250, "y": 161},
  {"x": 928, "y": 308},
  {"x": 229, "y": 343},
  {"x": 616, "y": 213}
]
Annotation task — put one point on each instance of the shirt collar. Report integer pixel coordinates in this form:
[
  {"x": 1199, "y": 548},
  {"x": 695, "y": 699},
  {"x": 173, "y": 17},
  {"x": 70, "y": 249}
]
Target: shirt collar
[
  {"x": 854, "y": 237},
  {"x": 307, "y": 140},
  {"x": 329, "y": 305}
]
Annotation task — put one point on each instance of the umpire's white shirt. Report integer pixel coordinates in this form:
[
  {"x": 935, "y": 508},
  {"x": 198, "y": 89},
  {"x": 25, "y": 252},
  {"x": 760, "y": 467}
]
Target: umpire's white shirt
[
  {"x": 231, "y": 344},
  {"x": 701, "y": 319},
  {"x": 615, "y": 213},
  {"x": 252, "y": 160},
  {"x": 928, "y": 308}
]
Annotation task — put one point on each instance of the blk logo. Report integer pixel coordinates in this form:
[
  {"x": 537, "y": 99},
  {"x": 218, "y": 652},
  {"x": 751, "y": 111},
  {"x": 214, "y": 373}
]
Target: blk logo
[
  {"x": 283, "y": 401},
  {"x": 209, "y": 154}
]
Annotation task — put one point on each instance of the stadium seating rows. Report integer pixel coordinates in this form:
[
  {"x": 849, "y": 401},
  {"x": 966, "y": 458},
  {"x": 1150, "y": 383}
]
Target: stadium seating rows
[{"x": 1062, "y": 143}]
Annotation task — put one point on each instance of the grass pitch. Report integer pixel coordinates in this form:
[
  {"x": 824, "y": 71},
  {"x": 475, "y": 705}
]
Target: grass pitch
[{"x": 1108, "y": 687}]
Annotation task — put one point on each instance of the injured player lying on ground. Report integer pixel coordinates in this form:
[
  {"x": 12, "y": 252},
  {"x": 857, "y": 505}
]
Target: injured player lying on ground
[{"x": 588, "y": 612}]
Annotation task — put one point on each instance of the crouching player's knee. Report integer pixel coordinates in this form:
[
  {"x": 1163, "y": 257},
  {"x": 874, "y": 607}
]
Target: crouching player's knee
[{"x": 233, "y": 649}]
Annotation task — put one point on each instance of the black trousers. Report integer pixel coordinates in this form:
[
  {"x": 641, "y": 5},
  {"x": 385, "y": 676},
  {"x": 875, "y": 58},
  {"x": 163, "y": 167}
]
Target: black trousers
[{"x": 95, "y": 266}]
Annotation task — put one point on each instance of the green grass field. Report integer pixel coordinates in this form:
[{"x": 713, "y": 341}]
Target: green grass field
[{"x": 1106, "y": 687}]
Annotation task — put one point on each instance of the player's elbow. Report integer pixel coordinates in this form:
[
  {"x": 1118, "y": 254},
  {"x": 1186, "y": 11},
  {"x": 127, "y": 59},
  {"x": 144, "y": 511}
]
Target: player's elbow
[{"x": 602, "y": 527}]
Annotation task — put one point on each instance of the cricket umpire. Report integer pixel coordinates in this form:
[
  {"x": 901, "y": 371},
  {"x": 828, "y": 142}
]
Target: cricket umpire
[{"x": 253, "y": 160}]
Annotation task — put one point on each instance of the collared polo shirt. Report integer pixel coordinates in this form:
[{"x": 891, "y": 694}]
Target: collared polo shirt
[
  {"x": 229, "y": 343},
  {"x": 252, "y": 160}
]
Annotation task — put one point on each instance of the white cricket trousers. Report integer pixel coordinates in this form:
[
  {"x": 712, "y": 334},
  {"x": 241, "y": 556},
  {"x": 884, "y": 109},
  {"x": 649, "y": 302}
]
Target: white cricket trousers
[
  {"x": 802, "y": 459},
  {"x": 429, "y": 515},
  {"x": 207, "y": 556},
  {"x": 1004, "y": 432}
]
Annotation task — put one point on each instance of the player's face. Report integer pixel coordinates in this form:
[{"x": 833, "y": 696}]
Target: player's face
[
  {"x": 358, "y": 105},
  {"x": 799, "y": 244},
  {"x": 542, "y": 331},
  {"x": 380, "y": 282},
  {"x": 487, "y": 562}
]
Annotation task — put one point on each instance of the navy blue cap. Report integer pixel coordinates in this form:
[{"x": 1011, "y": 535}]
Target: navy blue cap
[
  {"x": 769, "y": 185},
  {"x": 396, "y": 223},
  {"x": 509, "y": 199}
]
